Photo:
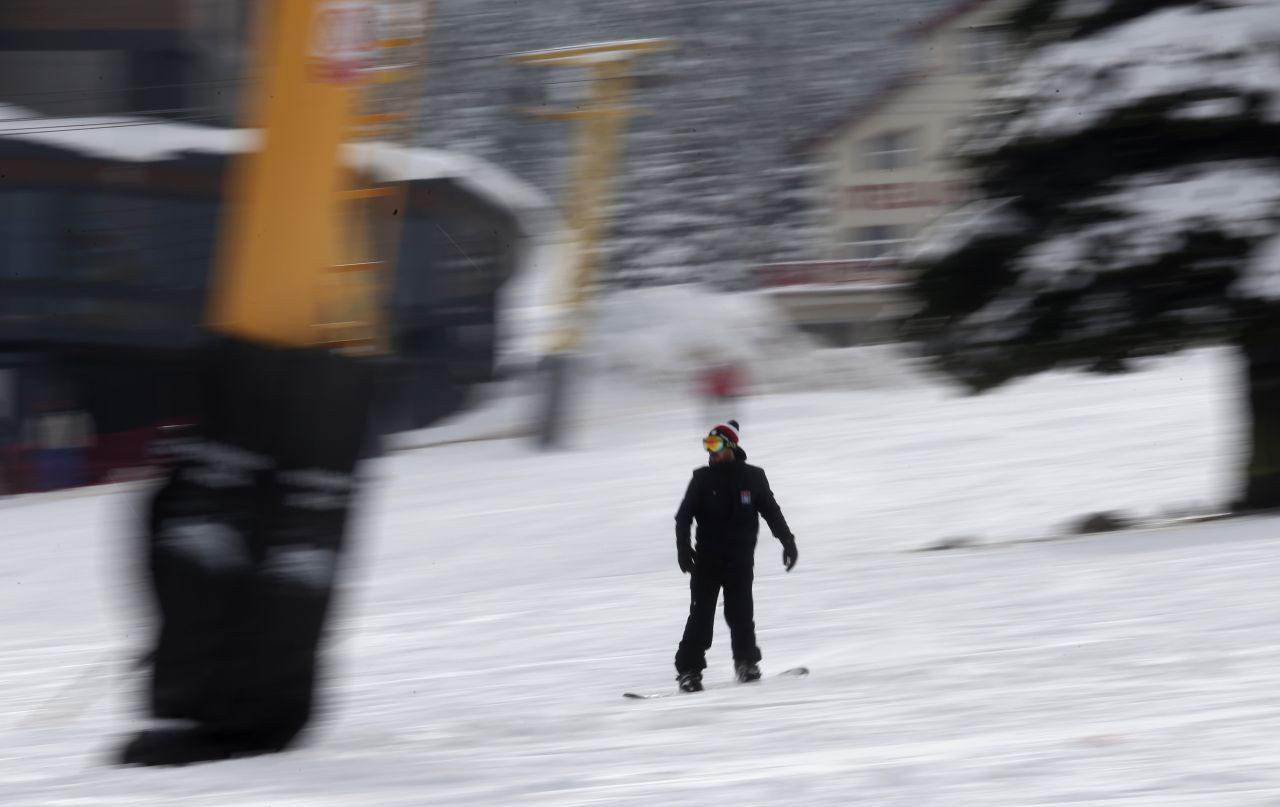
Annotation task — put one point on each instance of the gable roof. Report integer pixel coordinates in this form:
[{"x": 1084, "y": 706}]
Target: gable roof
[
  {"x": 893, "y": 88},
  {"x": 943, "y": 18},
  {"x": 868, "y": 107}
]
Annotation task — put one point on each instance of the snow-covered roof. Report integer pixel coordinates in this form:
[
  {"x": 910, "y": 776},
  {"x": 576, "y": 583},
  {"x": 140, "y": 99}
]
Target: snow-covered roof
[
  {"x": 945, "y": 17},
  {"x": 131, "y": 139},
  {"x": 525, "y": 302},
  {"x": 391, "y": 163},
  {"x": 863, "y": 110},
  {"x": 135, "y": 139}
]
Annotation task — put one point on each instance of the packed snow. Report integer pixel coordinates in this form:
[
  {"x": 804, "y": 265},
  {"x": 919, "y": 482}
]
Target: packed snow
[{"x": 500, "y": 600}]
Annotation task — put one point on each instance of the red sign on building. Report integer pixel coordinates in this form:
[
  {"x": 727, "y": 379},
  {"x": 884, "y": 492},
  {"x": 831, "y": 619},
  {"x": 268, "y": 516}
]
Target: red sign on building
[
  {"x": 868, "y": 271},
  {"x": 900, "y": 195}
]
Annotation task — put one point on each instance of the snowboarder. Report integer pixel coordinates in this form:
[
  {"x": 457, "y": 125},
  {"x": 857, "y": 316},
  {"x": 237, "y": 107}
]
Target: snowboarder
[{"x": 726, "y": 498}]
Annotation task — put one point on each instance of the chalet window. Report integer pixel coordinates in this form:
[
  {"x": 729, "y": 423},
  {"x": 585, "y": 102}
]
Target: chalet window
[{"x": 889, "y": 150}]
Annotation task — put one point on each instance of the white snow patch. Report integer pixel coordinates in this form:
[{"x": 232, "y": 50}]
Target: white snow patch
[
  {"x": 1067, "y": 88},
  {"x": 1000, "y": 321},
  {"x": 122, "y": 138},
  {"x": 983, "y": 218},
  {"x": 607, "y": 50},
  {"x": 660, "y": 342},
  {"x": 1237, "y": 196},
  {"x": 1212, "y": 108},
  {"x": 671, "y": 334},
  {"x": 392, "y": 163},
  {"x": 1153, "y": 215},
  {"x": 531, "y": 305},
  {"x": 501, "y": 600}
]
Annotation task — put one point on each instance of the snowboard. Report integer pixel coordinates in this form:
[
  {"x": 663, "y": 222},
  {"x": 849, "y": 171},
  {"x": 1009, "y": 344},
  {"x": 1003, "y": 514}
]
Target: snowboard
[{"x": 794, "y": 672}]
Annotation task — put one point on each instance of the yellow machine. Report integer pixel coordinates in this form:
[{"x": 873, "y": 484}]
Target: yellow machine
[
  {"x": 601, "y": 118},
  {"x": 601, "y": 121},
  {"x": 305, "y": 243},
  {"x": 267, "y": 469}
]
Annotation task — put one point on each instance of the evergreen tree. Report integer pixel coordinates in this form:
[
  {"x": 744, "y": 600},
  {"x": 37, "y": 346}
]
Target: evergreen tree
[{"x": 1131, "y": 204}]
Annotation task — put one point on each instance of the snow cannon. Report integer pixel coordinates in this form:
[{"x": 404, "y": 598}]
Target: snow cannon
[{"x": 247, "y": 533}]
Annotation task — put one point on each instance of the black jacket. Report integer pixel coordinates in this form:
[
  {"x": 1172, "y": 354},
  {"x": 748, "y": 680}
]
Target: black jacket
[{"x": 727, "y": 499}]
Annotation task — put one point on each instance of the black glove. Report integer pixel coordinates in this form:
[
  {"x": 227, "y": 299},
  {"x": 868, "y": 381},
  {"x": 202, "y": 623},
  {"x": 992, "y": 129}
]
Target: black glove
[
  {"x": 789, "y": 553},
  {"x": 684, "y": 556}
]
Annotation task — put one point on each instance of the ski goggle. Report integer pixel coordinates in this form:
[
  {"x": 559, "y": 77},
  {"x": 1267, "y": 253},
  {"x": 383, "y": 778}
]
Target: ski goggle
[{"x": 714, "y": 443}]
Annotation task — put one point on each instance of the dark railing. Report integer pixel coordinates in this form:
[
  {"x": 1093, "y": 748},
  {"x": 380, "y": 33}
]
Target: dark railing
[{"x": 866, "y": 271}]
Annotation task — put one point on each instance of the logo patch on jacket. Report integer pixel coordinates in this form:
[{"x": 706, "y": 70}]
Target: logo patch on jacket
[{"x": 746, "y": 497}]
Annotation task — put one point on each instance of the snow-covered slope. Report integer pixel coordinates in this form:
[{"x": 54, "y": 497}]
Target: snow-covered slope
[{"x": 501, "y": 600}]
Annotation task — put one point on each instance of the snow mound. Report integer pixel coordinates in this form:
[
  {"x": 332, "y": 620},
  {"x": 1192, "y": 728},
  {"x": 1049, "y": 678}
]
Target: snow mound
[
  {"x": 498, "y": 411},
  {"x": 668, "y": 335}
]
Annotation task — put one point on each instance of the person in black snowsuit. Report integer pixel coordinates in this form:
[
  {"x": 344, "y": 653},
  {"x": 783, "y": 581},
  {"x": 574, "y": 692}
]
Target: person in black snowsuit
[{"x": 726, "y": 499}]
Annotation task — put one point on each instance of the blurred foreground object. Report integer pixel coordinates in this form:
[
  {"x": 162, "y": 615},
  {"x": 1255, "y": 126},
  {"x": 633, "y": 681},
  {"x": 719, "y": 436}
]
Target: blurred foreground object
[
  {"x": 247, "y": 534},
  {"x": 601, "y": 119},
  {"x": 1130, "y": 205},
  {"x": 109, "y": 228},
  {"x": 246, "y": 539}
]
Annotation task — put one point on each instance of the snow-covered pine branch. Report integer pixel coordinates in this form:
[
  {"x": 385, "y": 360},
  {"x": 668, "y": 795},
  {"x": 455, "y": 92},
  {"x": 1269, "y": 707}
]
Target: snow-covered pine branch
[{"x": 1130, "y": 188}]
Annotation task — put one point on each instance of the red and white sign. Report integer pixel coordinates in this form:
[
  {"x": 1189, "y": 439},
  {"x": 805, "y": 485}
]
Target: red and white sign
[
  {"x": 899, "y": 195},
  {"x": 862, "y": 271},
  {"x": 344, "y": 39}
]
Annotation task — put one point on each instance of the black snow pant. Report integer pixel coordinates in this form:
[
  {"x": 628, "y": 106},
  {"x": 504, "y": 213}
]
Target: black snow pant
[{"x": 735, "y": 574}]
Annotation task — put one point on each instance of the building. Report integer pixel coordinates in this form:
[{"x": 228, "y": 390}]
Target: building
[
  {"x": 108, "y": 229},
  {"x": 115, "y": 142},
  {"x": 887, "y": 172},
  {"x": 180, "y": 59},
  {"x": 886, "y": 175}
]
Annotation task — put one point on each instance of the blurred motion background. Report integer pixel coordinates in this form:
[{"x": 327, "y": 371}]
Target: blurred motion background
[
  {"x": 618, "y": 223},
  {"x": 800, "y": 154},
  {"x": 116, "y": 143}
]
